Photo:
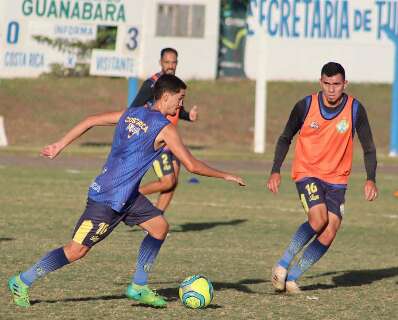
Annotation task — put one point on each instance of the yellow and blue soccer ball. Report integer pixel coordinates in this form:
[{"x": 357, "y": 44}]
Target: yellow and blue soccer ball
[{"x": 196, "y": 292}]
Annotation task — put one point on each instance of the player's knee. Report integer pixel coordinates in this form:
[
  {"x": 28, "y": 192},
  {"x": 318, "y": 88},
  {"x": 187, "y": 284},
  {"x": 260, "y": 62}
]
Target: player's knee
[
  {"x": 168, "y": 182},
  {"x": 74, "y": 251},
  {"x": 328, "y": 236},
  {"x": 161, "y": 230},
  {"x": 318, "y": 221}
]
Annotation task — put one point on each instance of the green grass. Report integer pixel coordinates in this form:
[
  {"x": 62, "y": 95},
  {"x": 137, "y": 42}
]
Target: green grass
[{"x": 232, "y": 235}]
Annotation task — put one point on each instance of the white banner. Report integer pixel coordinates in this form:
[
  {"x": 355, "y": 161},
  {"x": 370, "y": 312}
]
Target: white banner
[
  {"x": 29, "y": 28},
  {"x": 108, "y": 63}
]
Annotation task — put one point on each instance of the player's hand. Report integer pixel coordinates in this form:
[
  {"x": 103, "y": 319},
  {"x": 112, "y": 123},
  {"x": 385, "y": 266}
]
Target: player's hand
[
  {"x": 52, "y": 150},
  {"x": 370, "y": 190},
  {"x": 274, "y": 181},
  {"x": 236, "y": 179},
  {"x": 193, "y": 114}
]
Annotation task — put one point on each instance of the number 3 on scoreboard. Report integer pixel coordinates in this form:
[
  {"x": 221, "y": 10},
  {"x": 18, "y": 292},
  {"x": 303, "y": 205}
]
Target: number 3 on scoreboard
[{"x": 132, "y": 42}]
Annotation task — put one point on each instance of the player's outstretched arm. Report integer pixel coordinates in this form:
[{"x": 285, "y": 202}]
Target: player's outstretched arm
[
  {"x": 170, "y": 136},
  {"x": 103, "y": 119}
]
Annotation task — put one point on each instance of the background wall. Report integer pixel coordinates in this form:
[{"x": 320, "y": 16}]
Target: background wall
[{"x": 302, "y": 35}]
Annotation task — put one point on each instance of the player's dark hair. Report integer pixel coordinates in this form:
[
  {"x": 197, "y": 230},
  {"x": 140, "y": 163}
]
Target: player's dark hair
[
  {"x": 167, "y": 50},
  {"x": 332, "y": 68},
  {"x": 168, "y": 83}
]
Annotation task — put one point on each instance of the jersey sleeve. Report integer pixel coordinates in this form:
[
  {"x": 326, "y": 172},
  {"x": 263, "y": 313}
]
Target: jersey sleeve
[
  {"x": 184, "y": 114},
  {"x": 362, "y": 127},
  {"x": 293, "y": 125},
  {"x": 144, "y": 95}
]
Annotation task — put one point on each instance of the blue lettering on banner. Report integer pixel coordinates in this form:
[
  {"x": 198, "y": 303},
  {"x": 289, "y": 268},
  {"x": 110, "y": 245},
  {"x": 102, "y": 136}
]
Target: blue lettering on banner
[
  {"x": 322, "y": 19},
  {"x": 23, "y": 59},
  {"x": 387, "y": 16},
  {"x": 73, "y": 31},
  {"x": 118, "y": 64}
]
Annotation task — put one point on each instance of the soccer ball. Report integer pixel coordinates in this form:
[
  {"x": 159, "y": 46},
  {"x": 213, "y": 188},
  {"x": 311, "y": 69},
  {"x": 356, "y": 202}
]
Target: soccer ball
[{"x": 196, "y": 292}]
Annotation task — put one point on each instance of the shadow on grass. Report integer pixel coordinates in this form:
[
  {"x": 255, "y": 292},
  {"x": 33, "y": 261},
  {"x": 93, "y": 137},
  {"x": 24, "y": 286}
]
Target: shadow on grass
[
  {"x": 6, "y": 239},
  {"x": 171, "y": 293},
  {"x": 81, "y": 299},
  {"x": 353, "y": 278},
  {"x": 200, "y": 226}
]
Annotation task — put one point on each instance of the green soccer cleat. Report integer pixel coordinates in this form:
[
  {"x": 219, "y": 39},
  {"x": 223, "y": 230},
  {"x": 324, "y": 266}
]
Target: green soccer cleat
[
  {"x": 145, "y": 295},
  {"x": 19, "y": 291}
]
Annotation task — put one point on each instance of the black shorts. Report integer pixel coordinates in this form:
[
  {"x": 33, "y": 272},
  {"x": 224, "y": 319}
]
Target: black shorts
[
  {"x": 313, "y": 191},
  {"x": 163, "y": 164},
  {"x": 99, "y": 220}
]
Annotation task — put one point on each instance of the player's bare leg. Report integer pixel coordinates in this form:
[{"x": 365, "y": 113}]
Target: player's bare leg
[
  {"x": 164, "y": 184},
  {"x": 165, "y": 197}
]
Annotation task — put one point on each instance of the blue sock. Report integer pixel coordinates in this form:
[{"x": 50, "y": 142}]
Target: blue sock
[
  {"x": 146, "y": 257},
  {"x": 303, "y": 234},
  {"x": 52, "y": 261},
  {"x": 311, "y": 254}
]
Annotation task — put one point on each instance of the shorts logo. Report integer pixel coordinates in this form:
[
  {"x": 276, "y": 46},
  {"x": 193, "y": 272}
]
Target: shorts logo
[
  {"x": 342, "y": 126},
  {"x": 314, "y": 125},
  {"x": 94, "y": 238},
  {"x": 95, "y": 186},
  {"x": 134, "y": 126},
  {"x": 313, "y": 197}
]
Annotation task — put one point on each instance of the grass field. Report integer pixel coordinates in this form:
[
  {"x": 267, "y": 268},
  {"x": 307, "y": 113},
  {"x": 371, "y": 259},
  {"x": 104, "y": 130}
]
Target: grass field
[{"x": 232, "y": 235}]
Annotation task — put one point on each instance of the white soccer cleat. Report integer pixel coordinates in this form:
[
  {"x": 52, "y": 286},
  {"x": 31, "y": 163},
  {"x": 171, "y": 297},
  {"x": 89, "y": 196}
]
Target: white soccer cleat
[
  {"x": 278, "y": 277},
  {"x": 292, "y": 287}
]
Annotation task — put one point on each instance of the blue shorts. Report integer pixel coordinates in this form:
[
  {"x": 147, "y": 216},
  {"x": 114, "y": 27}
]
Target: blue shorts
[
  {"x": 313, "y": 191},
  {"x": 99, "y": 220},
  {"x": 163, "y": 164}
]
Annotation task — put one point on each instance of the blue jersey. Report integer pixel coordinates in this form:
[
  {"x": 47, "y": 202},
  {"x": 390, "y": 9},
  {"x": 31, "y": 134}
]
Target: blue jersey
[{"x": 131, "y": 155}]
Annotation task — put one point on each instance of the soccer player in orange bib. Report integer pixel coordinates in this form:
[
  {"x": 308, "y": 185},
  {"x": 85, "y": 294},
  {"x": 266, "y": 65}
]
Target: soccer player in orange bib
[{"x": 326, "y": 122}]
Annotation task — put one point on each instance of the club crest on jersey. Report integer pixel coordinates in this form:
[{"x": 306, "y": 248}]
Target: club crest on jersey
[
  {"x": 314, "y": 125},
  {"x": 134, "y": 126},
  {"x": 342, "y": 126}
]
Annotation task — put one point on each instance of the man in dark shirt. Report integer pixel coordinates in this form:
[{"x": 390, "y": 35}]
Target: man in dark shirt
[
  {"x": 166, "y": 166},
  {"x": 326, "y": 122}
]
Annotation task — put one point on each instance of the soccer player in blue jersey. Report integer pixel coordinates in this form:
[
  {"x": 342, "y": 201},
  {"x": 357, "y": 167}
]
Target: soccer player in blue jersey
[
  {"x": 113, "y": 197},
  {"x": 166, "y": 166}
]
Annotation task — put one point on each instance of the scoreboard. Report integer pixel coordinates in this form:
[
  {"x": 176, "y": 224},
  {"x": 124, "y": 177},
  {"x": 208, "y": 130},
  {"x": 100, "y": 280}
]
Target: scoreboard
[{"x": 22, "y": 21}]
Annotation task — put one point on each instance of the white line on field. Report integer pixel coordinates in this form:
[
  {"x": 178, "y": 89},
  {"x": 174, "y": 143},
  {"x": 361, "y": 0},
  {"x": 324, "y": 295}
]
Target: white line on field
[
  {"x": 391, "y": 216},
  {"x": 73, "y": 171}
]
